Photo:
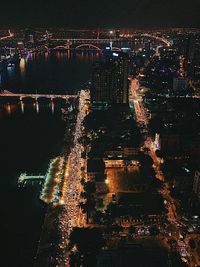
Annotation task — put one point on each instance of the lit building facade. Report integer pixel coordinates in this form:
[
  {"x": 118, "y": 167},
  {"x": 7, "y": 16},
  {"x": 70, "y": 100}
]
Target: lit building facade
[
  {"x": 110, "y": 80},
  {"x": 196, "y": 184}
]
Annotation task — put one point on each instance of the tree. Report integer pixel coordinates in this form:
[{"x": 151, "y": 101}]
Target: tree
[
  {"x": 82, "y": 181},
  {"x": 192, "y": 243},
  {"x": 88, "y": 242},
  {"x": 145, "y": 160},
  {"x": 159, "y": 153},
  {"x": 132, "y": 230},
  {"x": 154, "y": 230},
  {"x": 84, "y": 195},
  {"x": 146, "y": 150},
  {"x": 112, "y": 211},
  {"x": 74, "y": 259},
  {"x": 98, "y": 216},
  {"x": 90, "y": 187},
  {"x": 176, "y": 261},
  {"x": 88, "y": 206}
]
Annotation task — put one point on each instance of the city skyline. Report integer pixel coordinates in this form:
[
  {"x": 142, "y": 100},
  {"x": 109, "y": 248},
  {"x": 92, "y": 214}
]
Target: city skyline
[{"x": 100, "y": 134}]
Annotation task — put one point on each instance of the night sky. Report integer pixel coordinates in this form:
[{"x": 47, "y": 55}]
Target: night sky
[{"x": 102, "y": 13}]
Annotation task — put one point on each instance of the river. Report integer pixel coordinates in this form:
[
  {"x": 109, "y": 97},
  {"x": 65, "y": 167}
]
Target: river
[{"x": 28, "y": 140}]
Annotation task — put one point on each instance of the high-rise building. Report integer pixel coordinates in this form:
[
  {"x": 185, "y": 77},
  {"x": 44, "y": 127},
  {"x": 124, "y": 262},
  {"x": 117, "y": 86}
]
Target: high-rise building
[
  {"x": 29, "y": 36},
  {"x": 20, "y": 45},
  {"x": 103, "y": 76},
  {"x": 110, "y": 80},
  {"x": 122, "y": 63},
  {"x": 196, "y": 184},
  {"x": 180, "y": 84},
  {"x": 147, "y": 45},
  {"x": 190, "y": 47}
]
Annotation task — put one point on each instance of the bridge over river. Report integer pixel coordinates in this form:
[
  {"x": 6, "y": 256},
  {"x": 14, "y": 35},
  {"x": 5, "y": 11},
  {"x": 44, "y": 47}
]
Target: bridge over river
[{"x": 6, "y": 93}]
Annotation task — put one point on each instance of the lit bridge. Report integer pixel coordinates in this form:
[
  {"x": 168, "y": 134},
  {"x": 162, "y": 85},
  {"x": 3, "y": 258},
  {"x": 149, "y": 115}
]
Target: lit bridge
[
  {"x": 6, "y": 93},
  {"x": 79, "y": 44},
  {"x": 108, "y": 40},
  {"x": 95, "y": 44},
  {"x": 90, "y": 40}
]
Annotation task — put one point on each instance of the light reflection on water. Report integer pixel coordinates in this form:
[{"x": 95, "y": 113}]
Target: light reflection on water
[
  {"x": 31, "y": 134},
  {"x": 59, "y": 72},
  {"x": 22, "y": 65},
  {"x": 8, "y": 109}
]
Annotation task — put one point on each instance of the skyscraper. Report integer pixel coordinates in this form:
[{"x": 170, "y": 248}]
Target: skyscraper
[
  {"x": 103, "y": 77},
  {"x": 190, "y": 47},
  {"x": 196, "y": 184},
  {"x": 110, "y": 80},
  {"x": 180, "y": 84},
  {"x": 29, "y": 36}
]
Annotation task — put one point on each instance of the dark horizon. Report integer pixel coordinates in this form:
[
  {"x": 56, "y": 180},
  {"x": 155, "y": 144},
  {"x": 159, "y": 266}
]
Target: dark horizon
[
  {"x": 132, "y": 14},
  {"x": 73, "y": 28}
]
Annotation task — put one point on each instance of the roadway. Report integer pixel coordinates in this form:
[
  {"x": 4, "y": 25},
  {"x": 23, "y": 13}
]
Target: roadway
[
  {"x": 71, "y": 215},
  {"x": 68, "y": 214},
  {"x": 174, "y": 218},
  {"x": 136, "y": 102}
]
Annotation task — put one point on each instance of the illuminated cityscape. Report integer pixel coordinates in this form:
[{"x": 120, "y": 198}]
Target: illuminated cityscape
[{"x": 100, "y": 134}]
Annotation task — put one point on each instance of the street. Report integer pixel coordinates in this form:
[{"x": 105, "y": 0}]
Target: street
[
  {"x": 187, "y": 255},
  {"x": 71, "y": 215}
]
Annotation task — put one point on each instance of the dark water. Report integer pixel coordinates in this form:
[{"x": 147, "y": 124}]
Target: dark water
[
  {"x": 56, "y": 72},
  {"x": 27, "y": 141}
]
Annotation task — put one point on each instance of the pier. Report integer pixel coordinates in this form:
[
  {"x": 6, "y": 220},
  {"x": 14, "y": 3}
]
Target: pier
[{"x": 24, "y": 178}]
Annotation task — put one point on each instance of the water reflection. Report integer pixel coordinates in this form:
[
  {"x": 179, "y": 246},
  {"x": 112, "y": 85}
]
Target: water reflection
[
  {"x": 52, "y": 107},
  {"x": 36, "y": 107},
  {"x": 22, "y": 67},
  {"x": 22, "y": 106},
  {"x": 8, "y": 109},
  {"x": 59, "y": 72},
  {"x": 46, "y": 56}
]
